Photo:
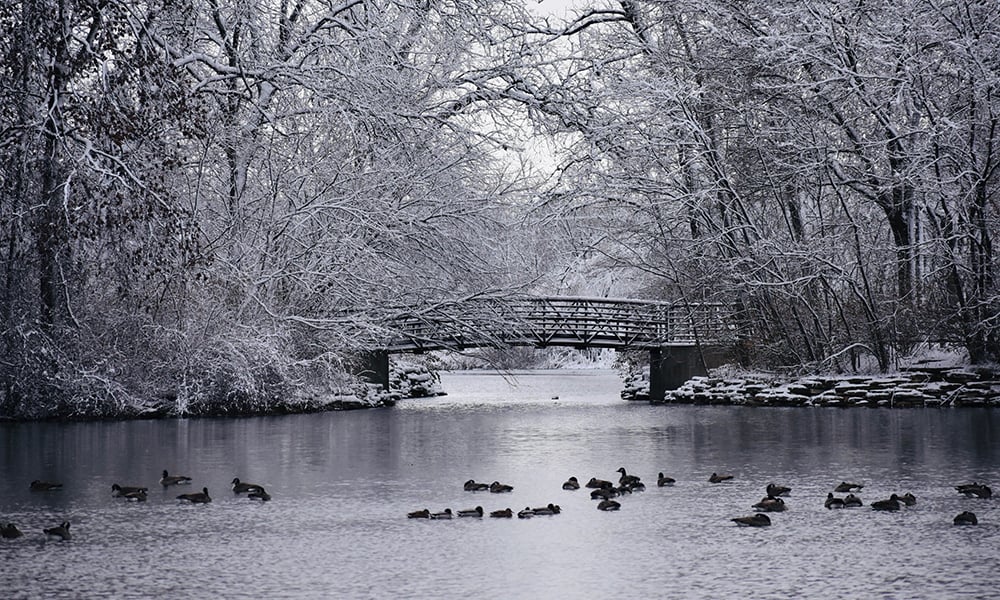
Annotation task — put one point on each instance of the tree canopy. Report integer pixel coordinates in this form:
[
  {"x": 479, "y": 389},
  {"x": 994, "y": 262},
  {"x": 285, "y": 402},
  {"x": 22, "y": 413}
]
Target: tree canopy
[{"x": 194, "y": 193}]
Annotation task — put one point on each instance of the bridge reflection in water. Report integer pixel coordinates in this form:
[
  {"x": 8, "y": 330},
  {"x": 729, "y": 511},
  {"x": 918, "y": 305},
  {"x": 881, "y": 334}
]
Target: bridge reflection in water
[{"x": 676, "y": 335}]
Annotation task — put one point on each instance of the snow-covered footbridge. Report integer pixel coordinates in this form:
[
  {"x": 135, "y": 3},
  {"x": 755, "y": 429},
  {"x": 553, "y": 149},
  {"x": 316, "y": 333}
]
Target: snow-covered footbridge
[
  {"x": 555, "y": 321},
  {"x": 671, "y": 332}
]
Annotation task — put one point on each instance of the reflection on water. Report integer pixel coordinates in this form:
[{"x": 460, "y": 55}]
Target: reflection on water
[{"x": 343, "y": 483}]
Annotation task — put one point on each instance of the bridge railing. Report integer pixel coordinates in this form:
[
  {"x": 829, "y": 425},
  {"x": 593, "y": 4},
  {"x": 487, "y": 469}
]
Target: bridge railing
[{"x": 579, "y": 322}]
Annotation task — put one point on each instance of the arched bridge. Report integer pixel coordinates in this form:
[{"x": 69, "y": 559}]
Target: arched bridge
[
  {"x": 559, "y": 321},
  {"x": 671, "y": 332}
]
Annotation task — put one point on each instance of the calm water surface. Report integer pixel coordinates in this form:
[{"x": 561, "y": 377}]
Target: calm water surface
[{"x": 343, "y": 483}]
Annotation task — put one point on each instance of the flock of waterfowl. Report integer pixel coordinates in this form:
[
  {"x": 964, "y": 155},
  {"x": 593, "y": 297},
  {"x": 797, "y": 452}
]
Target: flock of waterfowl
[
  {"x": 495, "y": 488},
  {"x": 605, "y": 490},
  {"x": 135, "y": 494}
]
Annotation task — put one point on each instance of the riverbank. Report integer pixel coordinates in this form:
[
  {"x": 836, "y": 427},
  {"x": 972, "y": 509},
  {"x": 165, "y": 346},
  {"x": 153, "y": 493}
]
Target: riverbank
[
  {"x": 406, "y": 380},
  {"x": 916, "y": 386}
]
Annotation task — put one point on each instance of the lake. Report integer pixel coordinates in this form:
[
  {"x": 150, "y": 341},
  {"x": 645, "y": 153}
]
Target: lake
[{"x": 343, "y": 483}]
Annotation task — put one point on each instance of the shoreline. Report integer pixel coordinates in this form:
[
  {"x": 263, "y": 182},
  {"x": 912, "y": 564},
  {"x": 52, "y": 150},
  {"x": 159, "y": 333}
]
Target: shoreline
[{"x": 913, "y": 387}]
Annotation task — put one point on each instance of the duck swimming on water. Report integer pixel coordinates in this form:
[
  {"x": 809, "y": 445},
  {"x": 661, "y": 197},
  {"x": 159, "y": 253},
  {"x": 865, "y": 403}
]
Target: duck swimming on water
[
  {"x": 241, "y": 487},
  {"x": 571, "y": 484},
  {"x": 627, "y": 479},
  {"x": 844, "y": 486},
  {"x": 966, "y": 518},
  {"x": 44, "y": 486},
  {"x": 123, "y": 490},
  {"x": 975, "y": 490},
  {"x": 604, "y": 493},
  {"x": 891, "y": 504},
  {"x": 770, "y": 504},
  {"x": 201, "y": 497},
  {"x": 60, "y": 531},
  {"x": 167, "y": 479},
  {"x": 776, "y": 490},
  {"x": 833, "y": 502},
  {"x": 500, "y": 488},
  {"x": 755, "y": 520}
]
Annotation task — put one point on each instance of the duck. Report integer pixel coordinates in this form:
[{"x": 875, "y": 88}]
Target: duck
[
  {"x": 259, "y": 494},
  {"x": 598, "y": 483},
  {"x": 891, "y": 504},
  {"x": 60, "y": 531},
  {"x": 975, "y": 489},
  {"x": 473, "y": 486},
  {"x": 851, "y": 500},
  {"x": 626, "y": 479},
  {"x": 424, "y": 513},
  {"x": 525, "y": 513},
  {"x": 445, "y": 514},
  {"x": 965, "y": 488},
  {"x": 603, "y": 493},
  {"x": 833, "y": 502},
  {"x": 844, "y": 486},
  {"x": 908, "y": 499},
  {"x": 471, "y": 512},
  {"x": 44, "y": 486},
  {"x": 776, "y": 490},
  {"x": 505, "y": 513},
  {"x": 754, "y": 520},
  {"x": 770, "y": 504},
  {"x": 167, "y": 479},
  {"x": 716, "y": 478},
  {"x": 663, "y": 480},
  {"x": 607, "y": 505},
  {"x": 548, "y": 509},
  {"x": 241, "y": 487},
  {"x": 984, "y": 491},
  {"x": 571, "y": 484},
  {"x": 10, "y": 531},
  {"x": 122, "y": 490},
  {"x": 963, "y": 518},
  {"x": 201, "y": 497},
  {"x": 500, "y": 488}
]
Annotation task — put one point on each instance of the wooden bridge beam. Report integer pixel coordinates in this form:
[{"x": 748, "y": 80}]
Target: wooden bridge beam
[{"x": 670, "y": 367}]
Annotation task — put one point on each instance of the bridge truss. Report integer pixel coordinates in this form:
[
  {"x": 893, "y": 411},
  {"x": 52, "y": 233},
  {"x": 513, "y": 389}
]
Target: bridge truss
[{"x": 559, "y": 321}]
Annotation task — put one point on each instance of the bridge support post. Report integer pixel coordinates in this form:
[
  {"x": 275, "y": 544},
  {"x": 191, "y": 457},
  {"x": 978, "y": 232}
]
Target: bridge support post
[
  {"x": 375, "y": 368},
  {"x": 670, "y": 367}
]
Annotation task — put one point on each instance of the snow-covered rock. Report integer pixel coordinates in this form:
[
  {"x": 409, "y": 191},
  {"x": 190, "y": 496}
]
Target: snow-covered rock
[{"x": 948, "y": 386}]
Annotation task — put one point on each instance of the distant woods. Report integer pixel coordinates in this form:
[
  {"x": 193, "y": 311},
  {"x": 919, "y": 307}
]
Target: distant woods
[{"x": 194, "y": 193}]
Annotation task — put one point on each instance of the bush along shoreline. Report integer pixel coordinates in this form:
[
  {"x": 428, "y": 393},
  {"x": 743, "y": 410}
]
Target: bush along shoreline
[
  {"x": 918, "y": 386},
  {"x": 406, "y": 380}
]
